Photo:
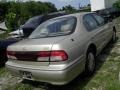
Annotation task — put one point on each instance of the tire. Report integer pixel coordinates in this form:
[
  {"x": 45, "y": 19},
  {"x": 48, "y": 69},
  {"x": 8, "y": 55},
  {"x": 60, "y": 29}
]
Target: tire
[
  {"x": 3, "y": 58},
  {"x": 114, "y": 37},
  {"x": 90, "y": 63}
]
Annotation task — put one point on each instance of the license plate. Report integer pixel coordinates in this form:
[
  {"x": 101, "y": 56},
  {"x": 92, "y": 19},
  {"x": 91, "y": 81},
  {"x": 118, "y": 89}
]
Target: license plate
[{"x": 26, "y": 74}]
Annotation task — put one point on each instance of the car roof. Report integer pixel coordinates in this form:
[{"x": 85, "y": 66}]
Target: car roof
[
  {"x": 75, "y": 14},
  {"x": 61, "y": 12}
]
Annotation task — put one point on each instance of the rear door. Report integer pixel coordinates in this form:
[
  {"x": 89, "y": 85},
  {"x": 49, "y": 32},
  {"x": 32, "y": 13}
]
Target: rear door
[
  {"x": 105, "y": 27},
  {"x": 96, "y": 33}
]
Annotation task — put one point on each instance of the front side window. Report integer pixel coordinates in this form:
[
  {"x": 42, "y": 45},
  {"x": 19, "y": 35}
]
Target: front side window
[
  {"x": 55, "y": 27},
  {"x": 89, "y": 22}
]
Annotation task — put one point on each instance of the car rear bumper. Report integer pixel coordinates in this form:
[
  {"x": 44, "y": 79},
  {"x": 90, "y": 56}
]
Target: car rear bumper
[{"x": 55, "y": 77}]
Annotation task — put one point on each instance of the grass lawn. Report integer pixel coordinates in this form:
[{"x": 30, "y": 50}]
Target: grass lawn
[
  {"x": 107, "y": 76},
  {"x": 2, "y": 36}
]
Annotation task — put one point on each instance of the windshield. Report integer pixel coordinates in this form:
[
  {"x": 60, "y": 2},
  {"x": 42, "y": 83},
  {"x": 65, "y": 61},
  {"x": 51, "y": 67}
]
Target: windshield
[{"x": 55, "y": 27}]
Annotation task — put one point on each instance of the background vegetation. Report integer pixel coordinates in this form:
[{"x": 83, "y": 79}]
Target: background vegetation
[
  {"x": 16, "y": 13},
  {"x": 117, "y": 4}
]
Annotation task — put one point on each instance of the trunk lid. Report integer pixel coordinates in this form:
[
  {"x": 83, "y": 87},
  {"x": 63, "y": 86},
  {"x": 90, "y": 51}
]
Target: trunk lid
[{"x": 27, "y": 50}]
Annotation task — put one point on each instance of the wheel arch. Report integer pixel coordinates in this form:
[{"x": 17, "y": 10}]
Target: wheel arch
[
  {"x": 93, "y": 48},
  {"x": 114, "y": 29}
]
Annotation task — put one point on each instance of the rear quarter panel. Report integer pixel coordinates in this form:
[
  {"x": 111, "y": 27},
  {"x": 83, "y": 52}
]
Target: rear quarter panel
[{"x": 74, "y": 45}]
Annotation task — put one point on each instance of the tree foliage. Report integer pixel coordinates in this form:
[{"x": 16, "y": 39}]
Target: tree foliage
[
  {"x": 69, "y": 8},
  {"x": 12, "y": 20},
  {"x": 16, "y": 13},
  {"x": 117, "y": 4},
  {"x": 3, "y": 10}
]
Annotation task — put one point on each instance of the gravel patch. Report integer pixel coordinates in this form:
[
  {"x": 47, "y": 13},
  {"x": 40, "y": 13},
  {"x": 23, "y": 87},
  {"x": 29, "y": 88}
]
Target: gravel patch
[{"x": 8, "y": 81}]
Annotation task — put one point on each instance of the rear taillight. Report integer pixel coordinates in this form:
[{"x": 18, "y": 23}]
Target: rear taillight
[
  {"x": 42, "y": 56},
  {"x": 58, "y": 56},
  {"x": 11, "y": 54},
  {"x": 52, "y": 56}
]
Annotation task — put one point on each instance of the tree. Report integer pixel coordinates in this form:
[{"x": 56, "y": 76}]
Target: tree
[
  {"x": 69, "y": 8},
  {"x": 3, "y": 10},
  {"x": 51, "y": 7},
  {"x": 23, "y": 11},
  {"x": 11, "y": 21},
  {"x": 117, "y": 4}
]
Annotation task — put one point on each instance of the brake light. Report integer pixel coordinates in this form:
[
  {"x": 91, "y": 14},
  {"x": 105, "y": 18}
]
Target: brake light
[
  {"x": 52, "y": 56},
  {"x": 42, "y": 56},
  {"x": 11, "y": 54},
  {"x": 58, "y": 56}
]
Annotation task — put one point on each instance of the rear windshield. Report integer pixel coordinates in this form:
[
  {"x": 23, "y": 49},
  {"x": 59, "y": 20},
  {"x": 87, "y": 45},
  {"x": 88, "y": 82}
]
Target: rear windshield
[{"x": 55, "y": 27}]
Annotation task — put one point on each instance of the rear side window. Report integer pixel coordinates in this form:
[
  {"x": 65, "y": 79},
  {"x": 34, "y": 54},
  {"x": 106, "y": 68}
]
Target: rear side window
[
  {"x": 89, "y": 22},
  {"x": 99, "y": 19}
]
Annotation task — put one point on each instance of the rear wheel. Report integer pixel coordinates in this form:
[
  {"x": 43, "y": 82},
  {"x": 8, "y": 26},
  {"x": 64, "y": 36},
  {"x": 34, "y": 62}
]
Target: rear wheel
[
  {"x": 3, "y": 58},
  {"x": 90, "y": 63}
]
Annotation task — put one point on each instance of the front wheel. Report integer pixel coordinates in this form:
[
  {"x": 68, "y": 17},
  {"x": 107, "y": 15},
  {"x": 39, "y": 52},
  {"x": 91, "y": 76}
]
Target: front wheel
[{"x": 114, "y": 37}]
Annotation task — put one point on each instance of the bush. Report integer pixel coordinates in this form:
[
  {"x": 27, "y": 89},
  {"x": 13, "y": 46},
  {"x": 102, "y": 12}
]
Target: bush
[
  {"x": 11, "y": 21},
  {"x": 117, "y": 4},
  {"x": 19, "y": 12}
]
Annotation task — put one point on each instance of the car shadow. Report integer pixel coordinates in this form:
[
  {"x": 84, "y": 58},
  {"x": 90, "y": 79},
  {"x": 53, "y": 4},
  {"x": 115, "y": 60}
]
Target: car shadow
[{"x": 81, "y": 81}]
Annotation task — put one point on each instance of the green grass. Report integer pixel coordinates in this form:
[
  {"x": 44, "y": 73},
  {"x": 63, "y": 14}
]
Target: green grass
[
  {"x": 107, "y": 76},
  {"x": 4, "y": 35}
]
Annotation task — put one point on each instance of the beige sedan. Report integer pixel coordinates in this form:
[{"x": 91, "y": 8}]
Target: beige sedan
[{"x": 61, "y": 48}]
